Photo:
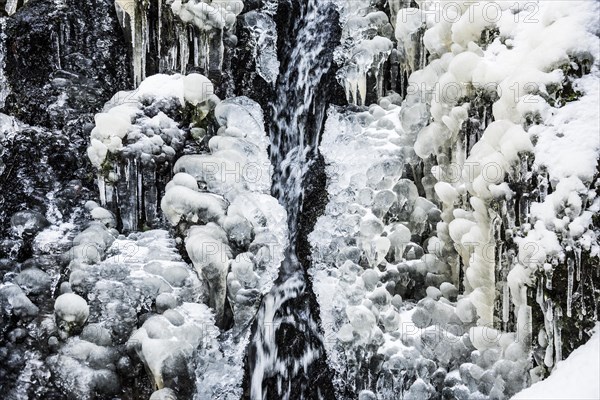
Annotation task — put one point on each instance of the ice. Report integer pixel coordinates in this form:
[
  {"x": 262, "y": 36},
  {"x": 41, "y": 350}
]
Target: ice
[
  {"x": 33, "y": 280},
  {"x": 71, "y": 312},
  {"x": 197, "y": 89},
  {"x": 84, "y": 368},
  {"x": 365, "y": 48},
  {"x": 135, "y": 140},
  {"x": 164, "y": 394},
  {"x": 362, "y": 320},
  {"x": 104, "y": 216},
  {"x": 245, "y": 114},
  {"x": 13, "y": 301},
  {"x": 183, "y": 179},
  {"x": 264, "y": 33},
  {"x": 410, "y": 25},
  {"x": 28, "y": 222},
  {"x": 382, "y": 202},
  {"x": 208, "y": 249},
  {"x": 419, "y": 390},
  {"x": 182, "y": 202},
  {"x": 96, "y": 334},
  {"x": 240, "y": 231},
  {"x": 166, "y": 349}
]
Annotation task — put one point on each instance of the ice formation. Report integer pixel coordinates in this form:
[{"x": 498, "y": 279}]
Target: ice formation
[
  {"x": 234, "y": 232},
  {"x": 366, "y": 46},
  {"x": 135, "y": 142},
  {"x": 264, "y": 34},
  {"x": 180, "y": 34},
  {"x": 479, "y": 115},
  {"x": 455, "y": 184}
]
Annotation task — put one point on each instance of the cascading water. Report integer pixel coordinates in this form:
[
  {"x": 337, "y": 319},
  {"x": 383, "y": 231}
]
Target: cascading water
[{"x": 285, "y": 315}]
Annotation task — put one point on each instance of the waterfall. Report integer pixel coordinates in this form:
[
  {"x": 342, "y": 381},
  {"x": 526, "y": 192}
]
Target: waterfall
[{"x": 297, "y": 118}]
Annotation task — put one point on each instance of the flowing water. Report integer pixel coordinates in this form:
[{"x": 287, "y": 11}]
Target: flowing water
[{"x": 285, "y": 317}]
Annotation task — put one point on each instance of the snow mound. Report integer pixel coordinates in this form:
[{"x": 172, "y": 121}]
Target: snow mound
[{"x": 575, "y": 378}]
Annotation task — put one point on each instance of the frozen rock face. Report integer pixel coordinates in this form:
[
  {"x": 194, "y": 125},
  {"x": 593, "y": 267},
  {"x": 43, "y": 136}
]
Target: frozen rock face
[
  {"x": 179, "y": 36},
  {"x": 137, "y": 139},
  {"x": 43, "y": 184},
  {"x": 235, "y": 233},
  {"x": 52, "y": 81},
  {"x": 470, "y": 231},
  {"x": 60, "y": 64}
]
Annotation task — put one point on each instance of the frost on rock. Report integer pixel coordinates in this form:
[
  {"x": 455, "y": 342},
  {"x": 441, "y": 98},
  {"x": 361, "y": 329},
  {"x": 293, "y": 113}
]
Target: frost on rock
[
  {"x": 474, "y": 200},
  {"x": 136, "y": 141},
  {"x": 124, "y": 278}
]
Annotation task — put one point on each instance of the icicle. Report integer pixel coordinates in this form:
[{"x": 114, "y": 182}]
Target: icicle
[
  {"x": 197, "y": 52},
  {"x": 158, "y": 46},
  {"x": 184, "y": 51},
  {"x": 362, "y": 86},
  {"x": 539, "y": 294},
  {"x": 570, "y": 272},
  {"x": 505, "y": 303},
  {"x": 543, "y": 188},
  {"x": 101, "y": 189},
  {"x": 128, "y": 195},
  {"x": 525, "y": 326},
  {"x": 4, "y": 89},
  {"x": 549, "y": 271},
  {"x": 557, "y": 334},
  {"x": 139, "y": 190},
  {"x": 578, "y": 262}
]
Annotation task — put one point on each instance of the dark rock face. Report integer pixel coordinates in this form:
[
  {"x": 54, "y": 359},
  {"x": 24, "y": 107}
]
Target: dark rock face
[
  {"x": 64, "y": 61},
  {"x": 42, "y": 163}
]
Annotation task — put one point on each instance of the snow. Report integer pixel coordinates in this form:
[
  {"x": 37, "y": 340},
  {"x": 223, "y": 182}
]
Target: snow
[
  {"x": 573, "y": 378},
  {"x": 197, "y": 88},
  {"x": 569, "y": 134},
  {"x": 71, "y": 308},
  {"x": 195, "y": 206}
]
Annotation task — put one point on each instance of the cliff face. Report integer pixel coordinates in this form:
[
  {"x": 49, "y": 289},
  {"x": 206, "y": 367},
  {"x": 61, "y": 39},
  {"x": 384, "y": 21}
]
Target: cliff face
[
  {"x": 382, "y": 199},
  {"x": 454, "y": 208}
]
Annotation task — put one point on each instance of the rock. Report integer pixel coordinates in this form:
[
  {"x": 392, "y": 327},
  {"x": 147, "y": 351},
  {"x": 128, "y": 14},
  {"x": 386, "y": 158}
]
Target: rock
[
  {"x": 28, "y": 222},
  {"x": 71, "y": 312},
  {"x": 34, "y": 281},
  {"x": 164, "y": 394},
  {"x": 14, "y": 301}
]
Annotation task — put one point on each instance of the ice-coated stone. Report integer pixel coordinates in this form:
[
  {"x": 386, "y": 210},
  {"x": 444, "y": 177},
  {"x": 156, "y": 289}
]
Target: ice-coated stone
[
  {"x": 71, "y": 312},
  {"x": 34, "y": 281},
  {"x": 164, "y": 394},
  {"x": 14, "y": 302},
  {"x": 28, "y": 221}
]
